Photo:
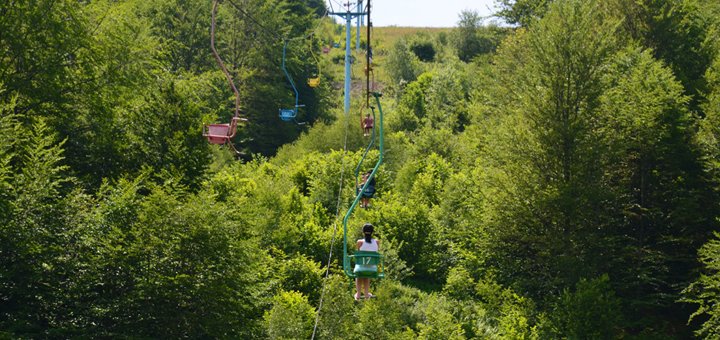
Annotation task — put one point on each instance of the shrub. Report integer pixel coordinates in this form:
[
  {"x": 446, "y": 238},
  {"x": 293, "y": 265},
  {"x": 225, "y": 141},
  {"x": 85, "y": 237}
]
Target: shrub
[
  {"x": 424, "y": 50},
  {"x": 592, "y": 311},
  {"x": 291, "y": 317}
]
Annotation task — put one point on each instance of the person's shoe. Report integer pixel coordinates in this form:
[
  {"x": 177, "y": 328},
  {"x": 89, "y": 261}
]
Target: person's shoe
[
  {"x": 357, "y": 296},
  {"x": 370, "y": 296}
]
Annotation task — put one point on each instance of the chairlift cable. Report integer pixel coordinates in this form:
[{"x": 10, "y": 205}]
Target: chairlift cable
[
  {"x": 368, "y": 54},
  {"x": 335, "y": 227},
  {"x": 247, "y": 15},
  {"x": 368, "y": 258},
  {"x": 274, "y": 34}
]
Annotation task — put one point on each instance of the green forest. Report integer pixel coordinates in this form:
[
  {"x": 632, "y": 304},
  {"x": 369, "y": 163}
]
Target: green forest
[{"x": 556, "y": 176}]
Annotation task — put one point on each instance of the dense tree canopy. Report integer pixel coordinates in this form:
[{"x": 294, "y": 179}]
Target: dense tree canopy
[{"x": 554, "y": 179}]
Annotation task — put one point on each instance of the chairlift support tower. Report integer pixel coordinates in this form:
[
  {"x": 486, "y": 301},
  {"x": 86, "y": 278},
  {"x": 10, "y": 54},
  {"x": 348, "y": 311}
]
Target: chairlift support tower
[
  {"x": 357, "y": 31},
  {"x": 348, "y": 16}
]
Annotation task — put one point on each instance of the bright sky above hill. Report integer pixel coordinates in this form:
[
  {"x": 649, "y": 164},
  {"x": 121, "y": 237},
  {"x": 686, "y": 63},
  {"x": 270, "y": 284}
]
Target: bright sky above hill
[{"x": 423, "y": 13}]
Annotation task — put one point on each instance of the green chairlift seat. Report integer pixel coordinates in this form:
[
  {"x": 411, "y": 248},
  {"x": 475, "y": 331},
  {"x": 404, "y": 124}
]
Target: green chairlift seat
[{"x": 368, "y": 264}]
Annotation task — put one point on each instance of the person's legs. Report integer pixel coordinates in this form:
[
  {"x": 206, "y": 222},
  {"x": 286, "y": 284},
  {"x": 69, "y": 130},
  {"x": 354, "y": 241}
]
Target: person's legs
[
  {"x": 358, "y": 288},
  {"x": 367, "y": 288}
]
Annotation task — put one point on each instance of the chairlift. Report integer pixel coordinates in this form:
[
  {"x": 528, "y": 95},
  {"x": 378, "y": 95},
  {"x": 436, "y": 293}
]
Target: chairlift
[
  {"x": 289, "y": 114},
  {"x": 314, "y": 71},
  {"x": 372, "y": 265},
  {"x": 222, "y": 133}
]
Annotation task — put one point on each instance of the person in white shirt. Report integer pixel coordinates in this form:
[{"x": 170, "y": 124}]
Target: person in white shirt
[{"x": 365, "y": 244}]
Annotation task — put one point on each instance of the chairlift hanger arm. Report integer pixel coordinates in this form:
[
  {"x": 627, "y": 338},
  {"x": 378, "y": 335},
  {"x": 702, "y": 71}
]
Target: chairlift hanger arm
[
  {"x": 220, "y": 61},
  {"x": 290, "y": 79}
]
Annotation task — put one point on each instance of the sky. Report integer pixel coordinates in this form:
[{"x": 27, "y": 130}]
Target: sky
[{"x": 422, "y": 13}]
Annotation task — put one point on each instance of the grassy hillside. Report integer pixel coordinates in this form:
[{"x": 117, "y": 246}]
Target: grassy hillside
[{"x": 383, "y": 40}]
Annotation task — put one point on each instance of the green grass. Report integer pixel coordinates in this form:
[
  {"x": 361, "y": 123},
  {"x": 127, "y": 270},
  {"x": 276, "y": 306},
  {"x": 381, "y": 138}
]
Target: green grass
[{"x": 383, "y": 39}]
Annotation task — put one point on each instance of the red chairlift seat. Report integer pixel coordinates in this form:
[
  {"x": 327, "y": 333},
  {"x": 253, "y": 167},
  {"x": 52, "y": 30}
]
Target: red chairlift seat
[{"x": 222, "y": 133}]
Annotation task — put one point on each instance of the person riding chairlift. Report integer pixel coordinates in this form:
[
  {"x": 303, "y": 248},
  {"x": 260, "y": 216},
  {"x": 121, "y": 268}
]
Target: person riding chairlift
[
  {"x": 367, "y": 124},
  {"x": 369, "y": 191},
  {"x": 367, "y": 243}
]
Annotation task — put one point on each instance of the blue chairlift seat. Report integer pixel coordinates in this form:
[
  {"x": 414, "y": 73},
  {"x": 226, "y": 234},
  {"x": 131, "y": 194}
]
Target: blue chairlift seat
[{"x": 288, "y": 114}]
